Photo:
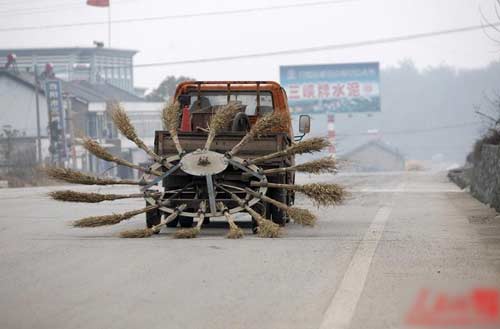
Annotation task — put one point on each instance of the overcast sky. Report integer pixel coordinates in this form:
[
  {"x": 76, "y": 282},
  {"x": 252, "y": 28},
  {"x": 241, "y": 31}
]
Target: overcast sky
[{"x": 259, "y": 31}]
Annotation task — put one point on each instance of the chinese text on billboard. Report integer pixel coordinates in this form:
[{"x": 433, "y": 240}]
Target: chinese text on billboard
[{"x": 334, "y": 88}]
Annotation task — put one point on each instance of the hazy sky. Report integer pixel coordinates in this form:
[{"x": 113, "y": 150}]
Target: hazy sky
[{"x": 262, "y": 31}]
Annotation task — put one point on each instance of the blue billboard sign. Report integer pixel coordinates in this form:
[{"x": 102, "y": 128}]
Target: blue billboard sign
[{"x": 332, "y": 88}]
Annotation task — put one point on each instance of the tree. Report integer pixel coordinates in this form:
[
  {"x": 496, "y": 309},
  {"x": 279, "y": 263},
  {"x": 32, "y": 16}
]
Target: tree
[{"x": 166, "y": 89}]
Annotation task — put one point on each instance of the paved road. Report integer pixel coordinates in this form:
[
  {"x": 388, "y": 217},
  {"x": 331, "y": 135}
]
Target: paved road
[{"x": 362, "y": 266}]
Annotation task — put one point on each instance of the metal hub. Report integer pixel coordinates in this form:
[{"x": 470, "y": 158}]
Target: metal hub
[{"x": 203, "y": 163}]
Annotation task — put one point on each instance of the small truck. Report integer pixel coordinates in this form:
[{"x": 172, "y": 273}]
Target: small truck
[{"x": 198, "y": 101}]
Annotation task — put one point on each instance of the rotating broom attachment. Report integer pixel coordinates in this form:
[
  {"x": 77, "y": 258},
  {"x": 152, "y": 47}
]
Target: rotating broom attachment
[
  {"x": 73, "y": 196},
  {"x": 266, "y": 228},
  {"x": 234, "y": 231},
  {"x": 123, "y": 123},
  {"x": 311, "y": 145},
  {"x": 299, "y": 215},
  {"x": 264, "y": 124},
  {"x": 147, "y": 232},
  {"x": 220, "y": 120},
  {"x": 96, "y": 221},
  {"x": 321, "y": 194},
  {"x": 96, "y": 149},
  {"x": 320, "y": 166},
  {"x": 77, "y": 177},
  {"x": 171, "y": 118},
  {"x": 190, "y": 233}
]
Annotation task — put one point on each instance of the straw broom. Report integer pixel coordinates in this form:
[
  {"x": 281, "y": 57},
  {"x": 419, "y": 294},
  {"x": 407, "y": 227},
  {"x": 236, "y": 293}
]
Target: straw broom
[
  {"x": 266, "y": 228},
  {"x": 77, "y": 177},
  {"x": 96, "y": 221},
  {"x": 323, "y": 165},
  {"x": 220, "y": 119},
  {"x": 322, "y": 194},
  {"x": 191, "y": 233},
  {"x": 147, "y": 232},
  {"x": 170, "y": 117},
  {"x": 311, "y": 145},
  {"x": 299, "y": 215},
  {"x": 100, "y": 152},
  {"x": 234, "y": 231},
  {"x": 264, "y": 125},
  {"x": 73, "y": 196},
  {"x": 123, "y": 123}
]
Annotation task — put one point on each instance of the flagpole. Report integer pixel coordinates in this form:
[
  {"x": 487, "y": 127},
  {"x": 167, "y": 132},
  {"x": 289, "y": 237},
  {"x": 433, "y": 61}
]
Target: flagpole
[{"x": 109, "y": 24}]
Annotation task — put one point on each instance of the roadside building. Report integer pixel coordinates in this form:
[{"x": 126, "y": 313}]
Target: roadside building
[
  {"x": 92, "y": 64},
  {"x": 374, "y": 155},
  {"x": 87, "y": 106}
]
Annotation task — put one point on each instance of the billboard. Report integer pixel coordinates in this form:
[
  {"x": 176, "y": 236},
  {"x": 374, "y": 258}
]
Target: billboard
[{"x": 332, "y": 88}]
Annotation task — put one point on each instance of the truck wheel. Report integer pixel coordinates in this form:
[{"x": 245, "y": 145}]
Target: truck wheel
[
  {"x": 278, "y": 216},
  {"x": 186, "y": 222},
  {"x": 240, "y": 122},
  {"x": 153, "y": 218}
]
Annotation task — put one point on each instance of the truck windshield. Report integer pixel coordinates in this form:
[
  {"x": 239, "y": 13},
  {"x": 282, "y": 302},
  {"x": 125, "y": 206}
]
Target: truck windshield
[{"x": 248, "y": 99}]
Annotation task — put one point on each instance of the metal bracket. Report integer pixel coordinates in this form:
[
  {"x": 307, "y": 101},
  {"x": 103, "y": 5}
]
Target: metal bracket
[
  {"x": 211, "y": 194},
  {"x": 160, "y": 178}
]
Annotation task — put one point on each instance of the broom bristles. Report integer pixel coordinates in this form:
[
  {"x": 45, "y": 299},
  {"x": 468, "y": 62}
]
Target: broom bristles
[
  {"x": 187, "y": 233},
  {"x": 268, "y": 229},
  {"x": 73, "y": 196},
  {"x": 315, "y": 144},
  {"x": 77, "y": 177},
  {"x": 138, "y": 233},
  {"x": 323, "y": 194},
  {"x": 96, "y": 149},
  {"x": 171, "y": 116},
  {"x": 123, "y": 123},
  {"x": 267, "y": 123},
  {"x": 302, "y": 216},
  {"x": 324, "y": 165},
  {"x": 220, "y": 119},
  {"x": 235, "y": 233},
  {"x": 96, "y": 221}
]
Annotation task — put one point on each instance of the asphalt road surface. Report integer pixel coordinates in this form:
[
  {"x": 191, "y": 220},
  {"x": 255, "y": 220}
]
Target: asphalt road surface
[{"x": 364, "y": 265}]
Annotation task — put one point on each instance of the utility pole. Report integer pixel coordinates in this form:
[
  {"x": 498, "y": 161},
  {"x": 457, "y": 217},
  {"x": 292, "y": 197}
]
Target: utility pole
[{"x": 38, "y": 128}]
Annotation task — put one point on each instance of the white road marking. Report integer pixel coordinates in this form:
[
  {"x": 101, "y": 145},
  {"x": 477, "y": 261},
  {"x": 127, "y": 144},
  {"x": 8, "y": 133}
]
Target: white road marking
[{"x": 343, "y": 305}]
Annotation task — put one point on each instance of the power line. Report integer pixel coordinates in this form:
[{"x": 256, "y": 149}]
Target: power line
[
  {"x": 172, "y": 17},
  {"x": 319, "y": 48}
]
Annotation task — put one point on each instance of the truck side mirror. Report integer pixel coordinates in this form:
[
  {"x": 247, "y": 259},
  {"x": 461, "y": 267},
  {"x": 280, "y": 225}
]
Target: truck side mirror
[{"x": 304, "y": 124}]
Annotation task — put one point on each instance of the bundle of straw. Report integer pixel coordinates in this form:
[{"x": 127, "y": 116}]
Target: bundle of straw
[
  {"x": 323, "y": 165},
  {"x": 264, "y": 125},
  {"x": 171, "y": 118},
  {"x": 96, "y": 149},
  {"x": 220, "y": 120},
  {"x": 123, "y": 123},
  {"x": 266, "y": 228},
  {"x": 77, "y": 177},
  {"x": 234, "y": 231},
  {"x": 73, "y": 196},
  {"x": 299, "y": 215},
  {"x": 191, "y": 233},
  {"x": 96, "y": 221},
  {"x": 322, "y": 194},
  {"x": 311, "y": 145},
  {"x": 147, "y": 232}
]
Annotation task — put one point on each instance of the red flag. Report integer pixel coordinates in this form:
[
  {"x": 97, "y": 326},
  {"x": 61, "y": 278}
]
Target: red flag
[{"x": 98, "y": 3}]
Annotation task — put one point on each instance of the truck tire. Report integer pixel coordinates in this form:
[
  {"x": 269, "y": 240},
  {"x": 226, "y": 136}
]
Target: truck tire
[
  {"x": 278, "y": 216},
  {"x": 186, "y": 222},
  {"x": 240, "y": 122},
  {"x": 153, "y": 218}
]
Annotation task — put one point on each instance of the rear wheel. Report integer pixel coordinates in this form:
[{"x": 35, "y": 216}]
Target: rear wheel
[
  {"x": 186, "y": 222},
  {"x": 278, "y": 216},
  {"x": 153, "y": 218}
]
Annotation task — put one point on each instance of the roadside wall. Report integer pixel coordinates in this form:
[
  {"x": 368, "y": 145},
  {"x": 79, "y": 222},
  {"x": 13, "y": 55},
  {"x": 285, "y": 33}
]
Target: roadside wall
[{"x": 485, "y": 178}]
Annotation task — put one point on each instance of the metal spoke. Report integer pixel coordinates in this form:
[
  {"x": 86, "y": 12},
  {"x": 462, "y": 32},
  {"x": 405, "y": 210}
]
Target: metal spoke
[{"x": 211, "y": 194}]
